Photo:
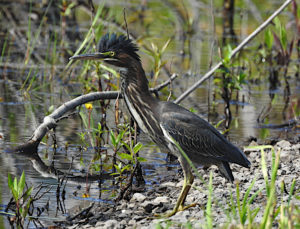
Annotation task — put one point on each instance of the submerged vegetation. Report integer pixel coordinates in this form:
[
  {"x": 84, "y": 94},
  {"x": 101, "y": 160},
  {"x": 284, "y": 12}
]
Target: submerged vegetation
[
  {"x": 22, "y": 198},
  {"x": 98, "y": 146}
]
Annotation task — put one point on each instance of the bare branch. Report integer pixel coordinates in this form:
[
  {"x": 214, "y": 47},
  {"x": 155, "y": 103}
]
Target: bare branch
[
  {"x": 50, "y": 121},
  {"x": 161, "y": 86}
]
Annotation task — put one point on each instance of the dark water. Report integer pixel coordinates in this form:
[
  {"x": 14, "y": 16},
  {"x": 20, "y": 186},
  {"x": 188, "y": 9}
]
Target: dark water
[{"x": 21, "y": 110}]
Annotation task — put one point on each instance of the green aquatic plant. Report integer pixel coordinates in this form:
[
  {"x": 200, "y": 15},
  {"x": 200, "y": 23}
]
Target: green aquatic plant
[
  {"x": 21, "y": 196},
  {"x": 128, "y": 159},
  {"x": 157, "y": 54},
  {"x": 277, "y": 51},
  {"x": 231, "y": 79}
]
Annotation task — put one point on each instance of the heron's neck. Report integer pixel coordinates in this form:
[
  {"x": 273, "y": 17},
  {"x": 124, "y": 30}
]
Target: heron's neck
[
  {"x": 139, "y": 100},
  {"x": 134, "y": 77}
]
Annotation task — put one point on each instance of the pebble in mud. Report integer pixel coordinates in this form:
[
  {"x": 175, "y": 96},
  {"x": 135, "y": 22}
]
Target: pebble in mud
[
  {"x": 149, "y": 206},
  {"x": 138, "y": 211},
  {"x": 109, "y": 224},
  {"x": 161, "y": 199},
  {"x": 137, "y": 197}
]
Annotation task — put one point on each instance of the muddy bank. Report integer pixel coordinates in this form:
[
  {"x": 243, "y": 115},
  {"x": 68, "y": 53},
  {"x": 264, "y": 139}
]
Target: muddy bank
[{"x": 139, "y": 210}]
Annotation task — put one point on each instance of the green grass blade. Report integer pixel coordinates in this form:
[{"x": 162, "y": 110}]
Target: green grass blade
[
  {"x": 89, "y": 34},
  {"x": 188, "y": 160},
  {"x": 268, "y": 216},
  {"x": 238, "y": 200},
  {"x": 21, "y": 184},
  {"x": 246, "y": 203},
  {"x": 265, "y": 171},
  {"x": 291, "y": 190},
  {"x": 233, "y": 205},
  {"x": 208, "y": 211}
]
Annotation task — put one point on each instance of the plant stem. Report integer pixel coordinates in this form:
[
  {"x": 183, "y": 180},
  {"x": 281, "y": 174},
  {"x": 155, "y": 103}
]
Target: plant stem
[{"x": 235, "y": 51}]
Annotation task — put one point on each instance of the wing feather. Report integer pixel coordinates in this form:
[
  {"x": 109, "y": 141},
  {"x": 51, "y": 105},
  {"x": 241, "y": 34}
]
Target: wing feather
[{"x": 198, "y": 138}]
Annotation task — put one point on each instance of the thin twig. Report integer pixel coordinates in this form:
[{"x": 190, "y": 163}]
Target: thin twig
[
  {"x": 91, "y": 4},
  {"x": 164, "y": 84},
  {"x": 82, "y": 212},
  {"x": 129, "y": 184},
  {"x": 211, "y": 54},
  {"x": 126, "y": 26},
  {"x": 234, "y": 52}
]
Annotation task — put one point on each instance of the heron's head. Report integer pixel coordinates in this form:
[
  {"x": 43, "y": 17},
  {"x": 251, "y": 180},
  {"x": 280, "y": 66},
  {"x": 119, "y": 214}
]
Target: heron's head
[{"x": 118, "y": 51}]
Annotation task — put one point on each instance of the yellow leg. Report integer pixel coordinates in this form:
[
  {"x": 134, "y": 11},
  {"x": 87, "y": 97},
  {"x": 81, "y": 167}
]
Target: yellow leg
[{"x": 188, "y": 181}]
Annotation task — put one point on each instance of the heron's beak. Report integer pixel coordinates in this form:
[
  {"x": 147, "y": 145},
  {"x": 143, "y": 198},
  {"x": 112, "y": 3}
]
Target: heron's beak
[{"x": 92, "y": 56}]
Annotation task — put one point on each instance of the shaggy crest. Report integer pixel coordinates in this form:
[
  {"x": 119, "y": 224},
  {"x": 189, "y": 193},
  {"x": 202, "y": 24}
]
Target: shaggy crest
[{"x": 118, "y": 44}]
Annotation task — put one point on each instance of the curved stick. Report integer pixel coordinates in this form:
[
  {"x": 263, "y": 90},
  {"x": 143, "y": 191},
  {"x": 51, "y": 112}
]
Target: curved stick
[{"x": 50, "y": 121}]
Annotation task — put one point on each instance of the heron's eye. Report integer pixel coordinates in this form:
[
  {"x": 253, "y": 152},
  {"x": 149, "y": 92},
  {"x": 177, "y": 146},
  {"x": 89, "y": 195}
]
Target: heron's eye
[{"x": 112, "y": 54}]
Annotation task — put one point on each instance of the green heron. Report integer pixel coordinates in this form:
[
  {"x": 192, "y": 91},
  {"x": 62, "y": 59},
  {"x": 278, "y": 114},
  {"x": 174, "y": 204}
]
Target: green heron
[{"x": 164, "y": 121}]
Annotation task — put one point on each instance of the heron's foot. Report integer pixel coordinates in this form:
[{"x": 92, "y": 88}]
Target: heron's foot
[
  {"x": 175, "y": 210},
  {"x": 182, "y": 208}
]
